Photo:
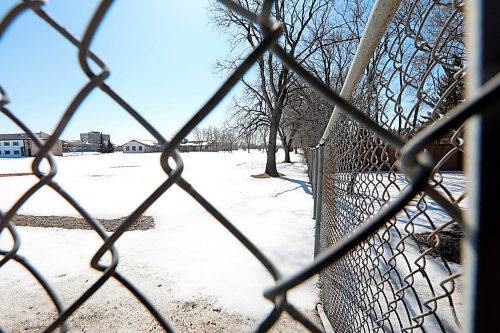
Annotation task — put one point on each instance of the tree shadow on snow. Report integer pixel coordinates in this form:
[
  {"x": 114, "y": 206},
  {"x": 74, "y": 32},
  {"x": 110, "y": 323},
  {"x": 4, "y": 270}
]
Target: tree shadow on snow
[{"x": 303, "y": 184}]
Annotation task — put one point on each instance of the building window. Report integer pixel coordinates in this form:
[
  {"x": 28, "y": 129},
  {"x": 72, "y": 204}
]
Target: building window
[
  {"x": 16, "y": 143},
  {"x": 140, "y": 148},
  {"x": 127, "y": 148},
  {"x": 6, "y": 143},
  {"x": 7, "y": 152},
  {"x": 133, "y": 148},
  {"x": 16, "y": 152}
]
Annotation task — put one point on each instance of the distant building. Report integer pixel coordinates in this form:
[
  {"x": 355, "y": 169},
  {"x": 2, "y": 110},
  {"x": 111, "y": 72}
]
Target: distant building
[
  {"x": 22, "y": 145},
  {"x": 13, "y": 145},
  {"x": 79, "y": 146},
  {"x": 141, "y": 146},
  {"x": 187, "y": 146},
  {"x": 94, "y": 137}
]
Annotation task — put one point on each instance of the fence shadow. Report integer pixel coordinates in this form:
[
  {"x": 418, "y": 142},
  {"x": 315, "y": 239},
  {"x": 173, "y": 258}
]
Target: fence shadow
[{"x": 302, "y": 183}]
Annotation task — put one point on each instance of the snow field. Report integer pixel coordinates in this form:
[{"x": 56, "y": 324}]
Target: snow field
[{"x": 187, "y": 257}]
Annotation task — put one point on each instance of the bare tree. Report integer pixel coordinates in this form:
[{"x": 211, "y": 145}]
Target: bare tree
[
  {"x": 262, "y": 133},
  {"x": 274, "y": 80},
  {"x": 337, "y": 32},
  {"x": 198, "y": 134},
  {"x": 228, "y": 139},
  {"x": 249, "y": 114}
]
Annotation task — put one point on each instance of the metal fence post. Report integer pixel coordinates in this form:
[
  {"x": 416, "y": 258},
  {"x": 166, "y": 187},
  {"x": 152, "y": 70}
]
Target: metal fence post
[
  {"x": 319, "y": 196},
  {"x": 314, "y": 178},
  {"x": 309, "y": 164},
  {"x": 481, "y": 248}
]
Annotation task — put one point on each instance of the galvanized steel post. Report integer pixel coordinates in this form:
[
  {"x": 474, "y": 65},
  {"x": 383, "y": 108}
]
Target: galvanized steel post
[
  {"x": 319, "y": 197},
  {"x": 315, "y": 180},
  {"x": 380, "y": 16},
  {"x": 483, "y": 160}
]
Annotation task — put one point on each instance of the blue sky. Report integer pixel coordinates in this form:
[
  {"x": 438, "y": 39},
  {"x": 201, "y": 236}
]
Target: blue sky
[{"x": 165, "y": 75}]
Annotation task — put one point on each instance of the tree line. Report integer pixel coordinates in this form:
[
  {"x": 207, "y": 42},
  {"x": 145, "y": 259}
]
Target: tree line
[
  {"x": 323, "y": 35},
  {"x": 218, "y": 138}
]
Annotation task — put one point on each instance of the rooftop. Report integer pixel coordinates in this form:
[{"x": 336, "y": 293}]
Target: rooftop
[
  {"x": 23, "y": 136},
  {"x": 15, "y": 136},
  {"x": 151, "y": 143}
]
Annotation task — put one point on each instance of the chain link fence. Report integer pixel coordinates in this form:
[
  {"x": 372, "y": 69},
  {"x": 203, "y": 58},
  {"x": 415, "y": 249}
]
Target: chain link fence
[
  {"x": 407, "y": 275},
  {"x": 380, "y": 259}
]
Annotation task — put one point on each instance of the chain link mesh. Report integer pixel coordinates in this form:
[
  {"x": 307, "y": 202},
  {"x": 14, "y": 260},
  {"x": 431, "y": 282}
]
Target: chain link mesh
[
  {"x": 400, "y": 278},
  {"x": 370, "y": 281}
]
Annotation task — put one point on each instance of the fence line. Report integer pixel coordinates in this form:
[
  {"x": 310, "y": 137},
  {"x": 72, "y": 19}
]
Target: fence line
[{"x": 406, "y": 276}]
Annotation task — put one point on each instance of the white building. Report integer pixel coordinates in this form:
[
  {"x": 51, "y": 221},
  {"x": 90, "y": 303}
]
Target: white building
[
  {"x": 188, "y": 146},
  {"x": 13, "y": 145},
  {"x": 21, "y": 144},
  {"x": 141, "y": 146}
]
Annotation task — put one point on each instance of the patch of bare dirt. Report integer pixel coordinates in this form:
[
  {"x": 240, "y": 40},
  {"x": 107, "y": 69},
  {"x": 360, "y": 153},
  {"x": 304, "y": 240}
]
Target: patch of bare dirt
[
  {"x": 70, "y": 222},
  {"x": 264, "y": 175},
  {"x": 448, "y": 247},
  {"x": 111, "y": 310}
]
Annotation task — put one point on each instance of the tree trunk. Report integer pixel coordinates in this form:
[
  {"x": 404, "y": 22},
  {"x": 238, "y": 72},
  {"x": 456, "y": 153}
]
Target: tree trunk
[
  {"x": 286, "y": 147},
  {"x": 264, "y": 143},
  {"x": 271, "y": 149},
  {"x": 287, "y": 153}
]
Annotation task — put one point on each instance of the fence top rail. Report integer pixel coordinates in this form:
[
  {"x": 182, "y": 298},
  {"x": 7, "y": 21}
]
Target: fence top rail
[{"x": 380, "y": 16}]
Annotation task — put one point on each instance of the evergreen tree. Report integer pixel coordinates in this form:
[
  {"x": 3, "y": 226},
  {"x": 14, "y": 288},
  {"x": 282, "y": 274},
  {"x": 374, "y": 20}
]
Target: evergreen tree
[
  {"x": 102, "y": 145},
  {"x": 110, "y": 148},
  {"x": 451, "y": 98},
  {"x": 456, "y": 95}
]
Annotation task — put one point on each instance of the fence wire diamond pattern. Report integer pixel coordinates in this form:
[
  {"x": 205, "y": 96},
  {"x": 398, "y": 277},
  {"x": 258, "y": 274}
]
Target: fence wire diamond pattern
[
  {"x": 401, "y": 278},
  {"x": 417, "y": 182}
]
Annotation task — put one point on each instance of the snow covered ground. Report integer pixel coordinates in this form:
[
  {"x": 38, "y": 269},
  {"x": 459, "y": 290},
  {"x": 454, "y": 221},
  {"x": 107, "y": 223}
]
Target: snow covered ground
[
  {"x": 414, "y": 283},
  {"x": 186, "y": 263}
]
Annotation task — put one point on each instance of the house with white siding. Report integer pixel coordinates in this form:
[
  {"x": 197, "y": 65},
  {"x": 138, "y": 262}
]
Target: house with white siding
[
  {"x": 22, "y": 145},
  {"x": 13, "y": 145},
  {"x": 141, "y": 146}
]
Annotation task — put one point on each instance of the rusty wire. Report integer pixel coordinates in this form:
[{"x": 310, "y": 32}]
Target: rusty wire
[{"x": 365, "y": 273}]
